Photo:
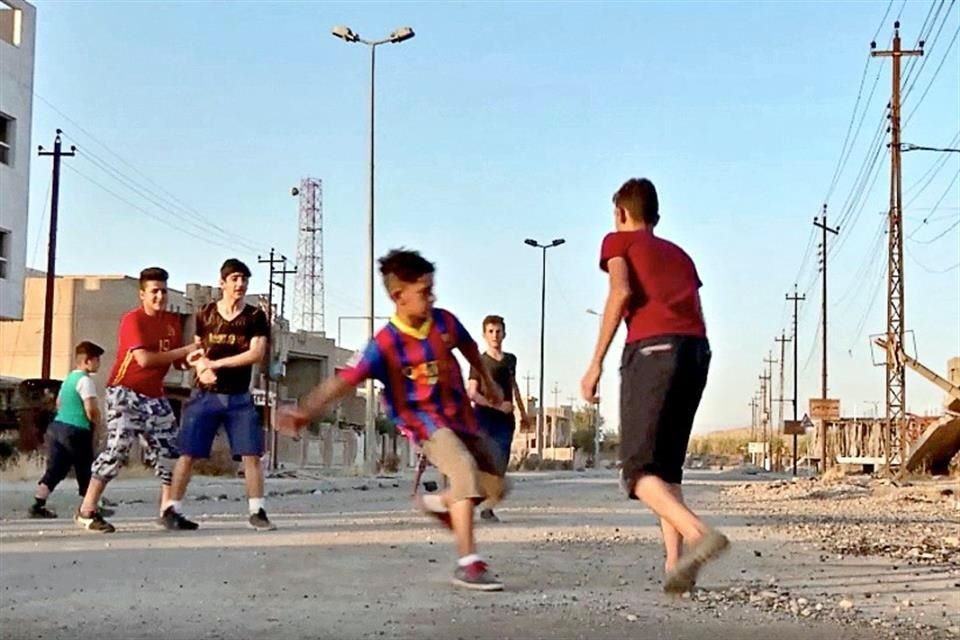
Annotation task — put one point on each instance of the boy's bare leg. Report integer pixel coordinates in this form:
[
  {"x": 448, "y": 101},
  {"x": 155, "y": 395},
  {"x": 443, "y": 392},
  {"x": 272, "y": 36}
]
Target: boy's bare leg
[
  {"x": 92, "y": 498},
  {"x": 253, "y": 476},
  {"x": 663, "y": 501},
  {"x": 461, "y": 517},
  {"x": 672, "y": 540}
]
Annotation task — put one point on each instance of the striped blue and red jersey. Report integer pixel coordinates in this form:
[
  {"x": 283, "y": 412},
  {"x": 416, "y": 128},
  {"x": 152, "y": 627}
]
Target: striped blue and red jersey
[{"x": 423, "y": 383}]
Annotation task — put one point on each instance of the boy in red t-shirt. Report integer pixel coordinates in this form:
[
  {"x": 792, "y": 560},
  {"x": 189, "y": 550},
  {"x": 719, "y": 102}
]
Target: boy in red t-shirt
[
  {"x": 654, "y": 287},
  {"x": 149, "y": 341}
]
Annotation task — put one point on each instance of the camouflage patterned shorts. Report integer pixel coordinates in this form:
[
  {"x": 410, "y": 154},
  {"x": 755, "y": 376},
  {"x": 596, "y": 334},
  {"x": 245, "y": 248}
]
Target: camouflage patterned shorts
[{"x": 132, "y": 416}]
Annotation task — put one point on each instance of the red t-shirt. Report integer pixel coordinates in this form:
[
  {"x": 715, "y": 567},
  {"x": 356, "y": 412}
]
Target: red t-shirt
[
  {"x": 140, "y": 331},
  {"x": 664, "y": 284}
]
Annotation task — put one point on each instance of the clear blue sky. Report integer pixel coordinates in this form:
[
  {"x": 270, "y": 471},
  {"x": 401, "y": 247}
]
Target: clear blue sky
[{"x": 501, "y": 121}]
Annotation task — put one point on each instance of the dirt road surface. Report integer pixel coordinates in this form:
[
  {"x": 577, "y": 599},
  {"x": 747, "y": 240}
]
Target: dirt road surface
[{"x": 351, "y": 559}]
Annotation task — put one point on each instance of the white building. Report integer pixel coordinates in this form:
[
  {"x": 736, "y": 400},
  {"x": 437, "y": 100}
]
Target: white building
[{"x": 17, "y": 36}]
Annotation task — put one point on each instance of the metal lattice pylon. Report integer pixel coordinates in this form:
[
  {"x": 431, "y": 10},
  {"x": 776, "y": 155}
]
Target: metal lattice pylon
[{"x": 309, "y": 297}]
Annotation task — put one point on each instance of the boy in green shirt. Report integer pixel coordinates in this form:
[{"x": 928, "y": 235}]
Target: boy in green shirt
[{"x": 70, "y": 435}]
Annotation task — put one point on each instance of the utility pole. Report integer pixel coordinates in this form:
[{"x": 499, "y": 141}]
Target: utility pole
[
  {"x": 895, "y": 372},
  {"x": 768, "y": 427},
  {"x": 783, "y": 340},
  {"x": 763, "y": 418},
  {"x": 57, "y": 154},
  {"x": 796, "y": 300},
  {"x": 283, "y": 272},
  {"x": 753, "y": 417},
  {"x": 268, "y": 377},
  {"x": 822, "y": 225}
]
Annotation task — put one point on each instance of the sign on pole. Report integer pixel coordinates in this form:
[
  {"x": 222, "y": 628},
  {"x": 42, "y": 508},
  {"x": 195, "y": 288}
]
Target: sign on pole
[{"x": 824, "y": 409}]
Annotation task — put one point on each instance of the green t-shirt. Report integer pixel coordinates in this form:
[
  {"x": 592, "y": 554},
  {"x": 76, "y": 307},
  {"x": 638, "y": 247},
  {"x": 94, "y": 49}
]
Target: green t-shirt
[{"x": 77, "y": 387}]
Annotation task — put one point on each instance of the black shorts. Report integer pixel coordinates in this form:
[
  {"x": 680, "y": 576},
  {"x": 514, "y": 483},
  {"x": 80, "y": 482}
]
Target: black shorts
[{"x": 661, "y": 383}]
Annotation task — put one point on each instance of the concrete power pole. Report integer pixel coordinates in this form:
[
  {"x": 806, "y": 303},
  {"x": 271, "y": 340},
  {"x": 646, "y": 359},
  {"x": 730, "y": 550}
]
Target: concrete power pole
[
  {"x": 268, "y": 376},
  {"x": 57, "y": 154},
  {"x": 895, "y": 373},
  {"x": 767, "y": 425},
  {"x": 795, "y": 299},
  {"x": 783, "y": 340},
  {"x": 822, "y": 225}
]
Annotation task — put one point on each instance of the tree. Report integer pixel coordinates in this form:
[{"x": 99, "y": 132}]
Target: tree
[{"x": 586, "y": 419}]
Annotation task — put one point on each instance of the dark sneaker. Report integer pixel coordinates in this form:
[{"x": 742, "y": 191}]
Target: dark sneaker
[
  {"x": 41, "y": 511},
  {"x": 94, "y": 522},
  {"x": 489, "y": 515},
  {"x": 476, "y": 576},
  {"x": 175, "y": 521},
  {"x": 261, "y": 522},
  {"x": 443, "y": 517}
]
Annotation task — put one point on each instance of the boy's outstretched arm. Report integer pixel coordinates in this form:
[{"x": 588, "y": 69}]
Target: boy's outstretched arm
[
  {"x": 292, "y": 420},
  {"x": 617, "y": 298}
]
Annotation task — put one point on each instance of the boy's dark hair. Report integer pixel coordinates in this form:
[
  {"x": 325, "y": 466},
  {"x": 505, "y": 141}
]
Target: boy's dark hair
[
  {"x": 492, "y": 319},
  {"x": 88, "y": 349},
  {"x": 232, "y": 266},
  {"x": 639, "y": 197},
  {"x": 405, "y": 265},
  {"x": 153, "y": 274}
]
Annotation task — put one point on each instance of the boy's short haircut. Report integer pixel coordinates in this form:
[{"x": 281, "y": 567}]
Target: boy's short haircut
[
  {"x": 493, "y": 319},
  {"x": 153, "y": 274},
  {"x": 404, "y": 265},
  {"x": 88, "y": 349},
  {"x": 232, "y": 266},
  {"x": 639, "y": 197}
]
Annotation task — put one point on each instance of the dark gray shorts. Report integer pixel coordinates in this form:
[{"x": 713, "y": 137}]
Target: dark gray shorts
[{"x": 661, "y": 383}]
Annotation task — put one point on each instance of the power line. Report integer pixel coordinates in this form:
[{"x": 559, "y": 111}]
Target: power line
[
  {"x": 931, "y": 173},
  {"x": 148, "y": 213},
  {"x": 928, "y": 269},
  {"x": 942, "y": 197},
  {"x": 928, "y": 48}
]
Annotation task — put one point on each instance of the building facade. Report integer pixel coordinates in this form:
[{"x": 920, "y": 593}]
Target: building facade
[{"x": 17, "y": 37}]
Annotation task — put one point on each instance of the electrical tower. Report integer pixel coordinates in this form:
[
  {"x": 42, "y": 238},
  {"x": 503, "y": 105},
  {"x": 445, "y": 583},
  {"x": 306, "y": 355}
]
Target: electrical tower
[
  {"x": 896, "y": 374},
  {"x": 309, "y": 283}
]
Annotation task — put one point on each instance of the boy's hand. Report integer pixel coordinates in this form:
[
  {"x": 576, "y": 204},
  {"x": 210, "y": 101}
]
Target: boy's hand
[
  {"x": 589, "y": 383},
  {"x": 292, "y": 420},
  {"x": 506, "y": 406}
]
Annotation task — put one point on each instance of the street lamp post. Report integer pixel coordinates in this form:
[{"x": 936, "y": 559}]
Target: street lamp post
[
  {"x": 348, "y": 35},
  {"x": 596, "y": 432},
  {"x": 541, "y": 421}
]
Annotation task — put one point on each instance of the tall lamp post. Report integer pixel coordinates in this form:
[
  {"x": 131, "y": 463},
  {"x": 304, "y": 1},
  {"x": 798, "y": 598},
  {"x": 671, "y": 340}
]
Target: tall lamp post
[
  {"x": 348, "y": 35},
  {"x": 541, "y": 421},
  {"x": 596, "y": 432}
]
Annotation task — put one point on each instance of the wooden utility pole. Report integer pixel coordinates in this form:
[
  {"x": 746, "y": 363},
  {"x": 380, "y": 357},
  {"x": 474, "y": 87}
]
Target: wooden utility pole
[
  {"x": 795, "y": 299},
  {"x": 56, "y": 154},
  {"x": 895, "y": 372},
  {"x": 822, "y": 224},
  {"x": 783, "y": 340},
  {"x": 753, "y": 417}
]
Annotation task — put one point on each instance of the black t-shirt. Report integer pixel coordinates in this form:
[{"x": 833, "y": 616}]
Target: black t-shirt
[
  {"x": 223, "y": 338},
  {"x": 503, "y": 372}
]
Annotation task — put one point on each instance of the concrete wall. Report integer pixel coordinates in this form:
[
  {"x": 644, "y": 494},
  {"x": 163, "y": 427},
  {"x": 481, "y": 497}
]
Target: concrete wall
[{"x": 16, "y": 101}]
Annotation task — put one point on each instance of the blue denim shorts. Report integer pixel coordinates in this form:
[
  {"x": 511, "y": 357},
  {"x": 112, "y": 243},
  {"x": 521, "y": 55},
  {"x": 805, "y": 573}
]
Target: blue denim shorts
[{"x": 206, "y": 411}]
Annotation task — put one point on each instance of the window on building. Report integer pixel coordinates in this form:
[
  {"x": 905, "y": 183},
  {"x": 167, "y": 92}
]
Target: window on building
[
  {"x": 4, "y": 252},
  {"x": 11, "y": 24},
  {"x": 6, "y": 139}
]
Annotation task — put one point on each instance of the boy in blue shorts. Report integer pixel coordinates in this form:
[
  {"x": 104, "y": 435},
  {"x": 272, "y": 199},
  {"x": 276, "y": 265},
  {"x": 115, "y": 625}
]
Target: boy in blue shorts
[
  {"x": 234, "y": 338},
  {"x": 497, "y": 418}
]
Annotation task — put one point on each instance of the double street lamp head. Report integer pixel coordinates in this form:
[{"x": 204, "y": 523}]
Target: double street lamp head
[
  {"x": 401, "y": 34},
  {"x": 533, "y": 243}
]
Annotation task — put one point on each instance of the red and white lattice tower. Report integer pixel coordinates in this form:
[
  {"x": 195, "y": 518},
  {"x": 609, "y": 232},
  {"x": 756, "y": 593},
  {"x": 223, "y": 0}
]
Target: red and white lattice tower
[{"x": 309, "y": 279}]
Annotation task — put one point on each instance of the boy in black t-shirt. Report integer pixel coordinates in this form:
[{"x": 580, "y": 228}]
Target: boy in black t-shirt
[
  {"x": 497, "y": 419},
  {"x": 234, "y": 338}
]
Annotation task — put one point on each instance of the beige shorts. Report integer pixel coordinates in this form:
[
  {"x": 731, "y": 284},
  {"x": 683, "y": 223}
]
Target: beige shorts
[{"x": 468, "y": 462}]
